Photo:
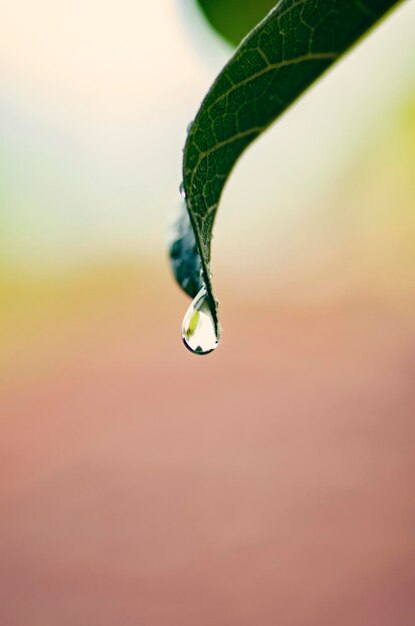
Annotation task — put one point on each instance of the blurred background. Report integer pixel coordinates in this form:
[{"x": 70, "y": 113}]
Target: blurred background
[{"x": 271, "y": 481}]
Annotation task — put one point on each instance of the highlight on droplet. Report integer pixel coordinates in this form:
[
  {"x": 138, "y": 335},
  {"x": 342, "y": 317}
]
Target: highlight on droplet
[{"x": 199, "y": 331}]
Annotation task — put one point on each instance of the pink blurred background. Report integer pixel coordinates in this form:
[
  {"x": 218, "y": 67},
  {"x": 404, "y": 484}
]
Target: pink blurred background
[{"x": 272, "y": 481}]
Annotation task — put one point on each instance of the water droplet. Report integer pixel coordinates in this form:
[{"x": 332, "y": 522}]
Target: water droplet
[
  {"x": 199, "y": 332},
  {"x": 189, "y": 126},
  {"x": 182, "y": 190}
]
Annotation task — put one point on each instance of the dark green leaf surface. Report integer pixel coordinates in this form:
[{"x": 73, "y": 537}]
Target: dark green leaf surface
[
  {"x": 184, "y": 257},
  {"x": 233, "y": 19},
  {"x": 275, "y": 63}
]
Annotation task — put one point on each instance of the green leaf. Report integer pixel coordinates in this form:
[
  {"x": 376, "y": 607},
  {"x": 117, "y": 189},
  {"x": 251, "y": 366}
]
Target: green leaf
[
  {"x": 233, "y": 19},
  {"x": 184, "y": 256},
  {"x": 274, "y": 64}
]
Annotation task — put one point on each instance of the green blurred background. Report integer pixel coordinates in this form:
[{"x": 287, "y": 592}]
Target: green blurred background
[{"x": 270, "y": 481}]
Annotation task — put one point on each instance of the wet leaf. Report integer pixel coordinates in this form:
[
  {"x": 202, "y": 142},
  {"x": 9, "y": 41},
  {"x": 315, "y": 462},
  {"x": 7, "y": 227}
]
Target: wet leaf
[{"x": 275, "y": 63}]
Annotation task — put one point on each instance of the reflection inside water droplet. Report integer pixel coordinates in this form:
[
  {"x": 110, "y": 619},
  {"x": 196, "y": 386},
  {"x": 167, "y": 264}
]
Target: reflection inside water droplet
[
  {"x": 182, "y": 190},
  {"x": 199, "y": 333}
]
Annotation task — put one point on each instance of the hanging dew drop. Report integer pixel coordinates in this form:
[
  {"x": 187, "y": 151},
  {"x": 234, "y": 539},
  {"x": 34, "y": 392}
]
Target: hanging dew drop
[
  {"x": 199, "y": 331},
  {"x": 182, "y": 190}
]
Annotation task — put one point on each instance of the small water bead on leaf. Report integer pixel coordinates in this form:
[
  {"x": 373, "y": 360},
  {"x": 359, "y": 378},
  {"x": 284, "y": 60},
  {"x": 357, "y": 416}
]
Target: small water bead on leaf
[
  {"x": 182, "y": 190},
  {"x": 199, "y": 331}
]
